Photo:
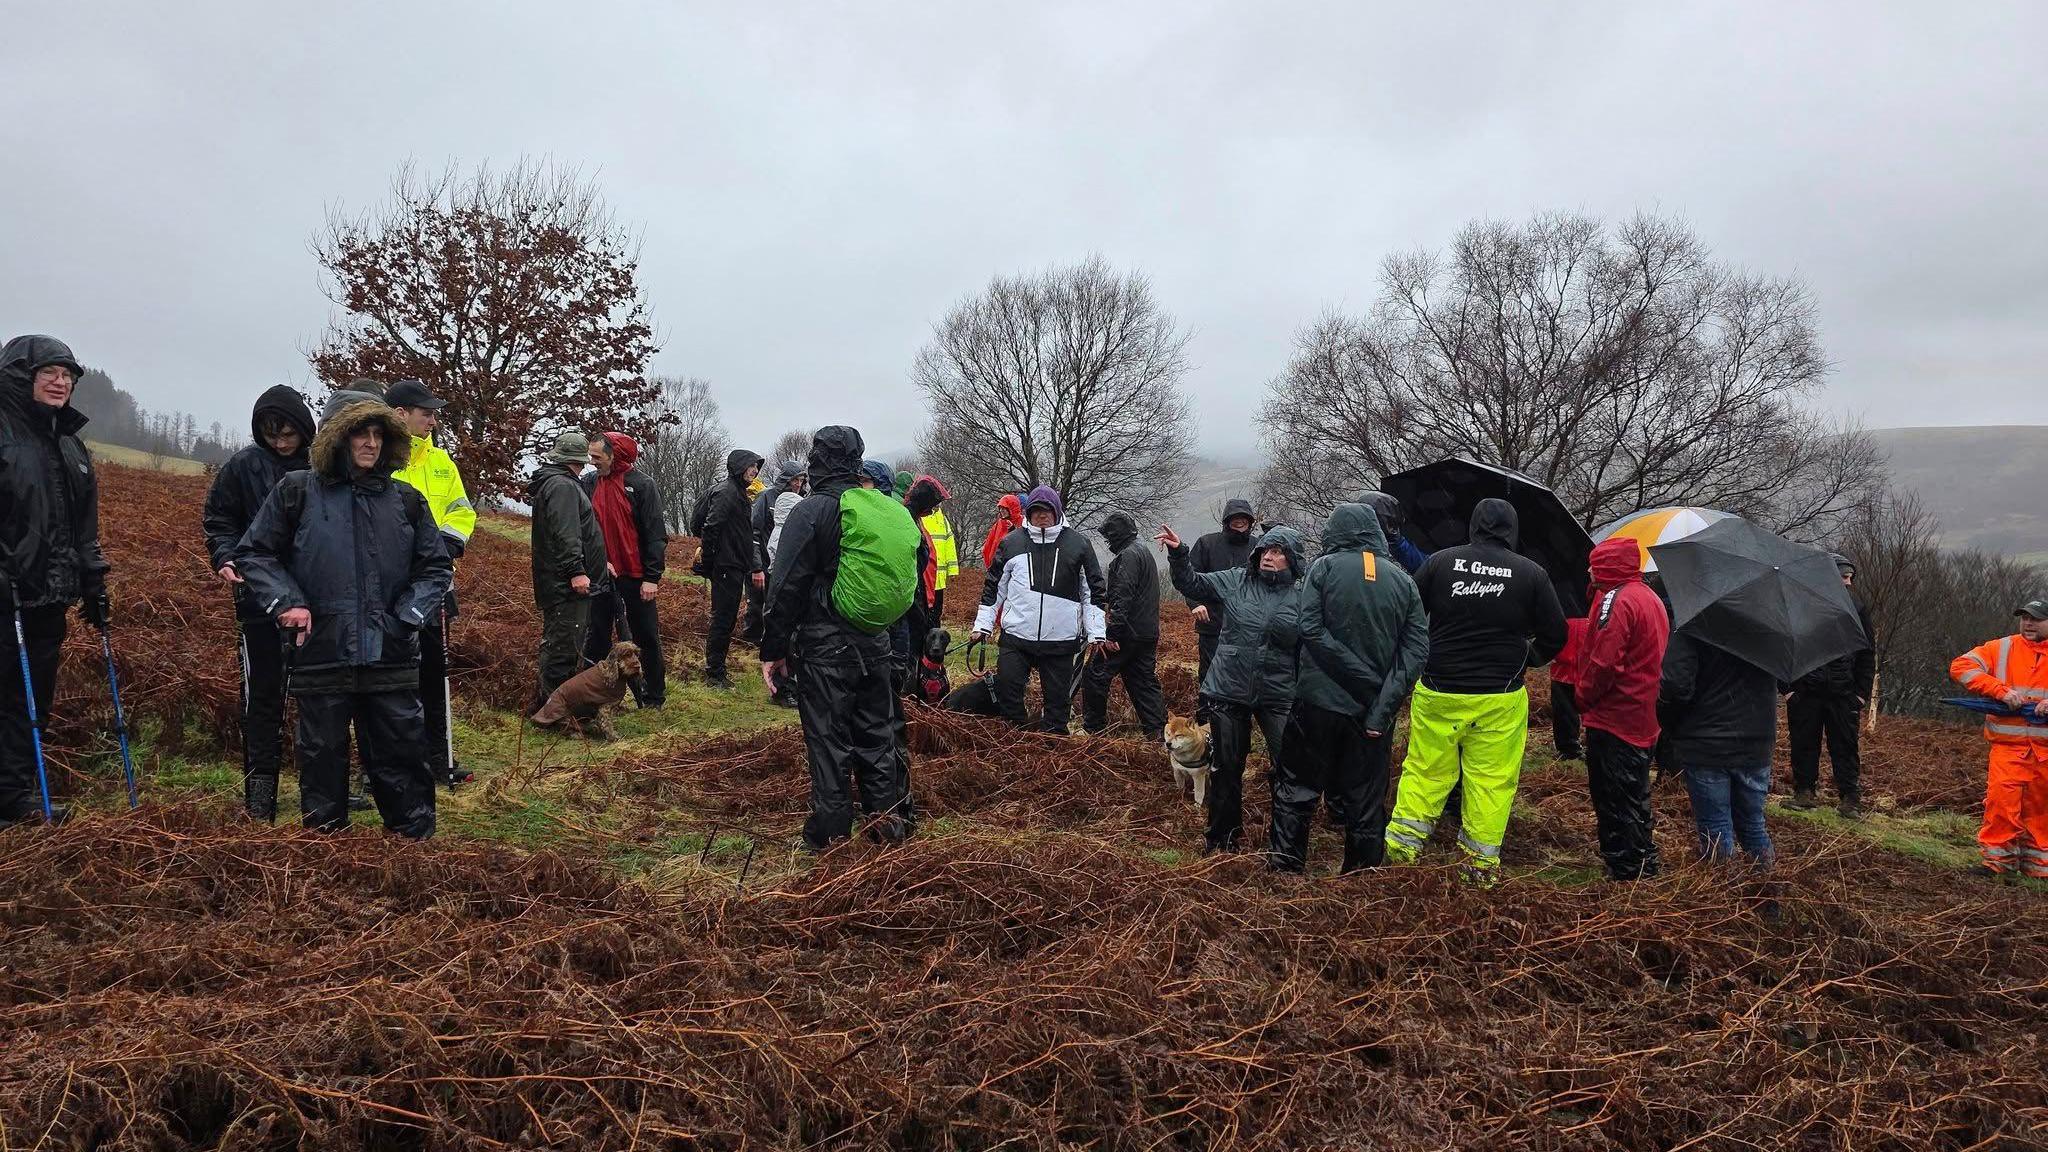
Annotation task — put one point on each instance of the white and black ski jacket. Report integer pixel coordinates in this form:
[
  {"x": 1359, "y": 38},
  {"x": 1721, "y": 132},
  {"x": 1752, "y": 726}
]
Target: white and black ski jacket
[{"x": 1047, "y": 585}]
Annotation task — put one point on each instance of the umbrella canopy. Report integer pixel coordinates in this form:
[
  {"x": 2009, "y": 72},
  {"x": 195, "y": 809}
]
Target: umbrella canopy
[
  {"x": 1654, "y": 526},
  {"x": 1438, "y": 499},
  {"x": 1779, "y": 605}
]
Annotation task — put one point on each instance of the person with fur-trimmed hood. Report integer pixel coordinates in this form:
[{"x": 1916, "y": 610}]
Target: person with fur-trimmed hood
[
  {"x": 351, "y": 564},
  {"x": 1046, "y": 585},
  {"x": 282, "y": 425}
]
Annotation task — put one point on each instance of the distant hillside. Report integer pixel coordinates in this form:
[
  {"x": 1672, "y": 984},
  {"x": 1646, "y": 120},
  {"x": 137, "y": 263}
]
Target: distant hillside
[{"x": 1988, "y": 486}]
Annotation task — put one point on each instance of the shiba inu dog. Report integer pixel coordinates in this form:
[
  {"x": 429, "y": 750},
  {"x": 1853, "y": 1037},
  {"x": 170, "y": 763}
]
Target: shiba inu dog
[{"x": 1187, "y": 749}]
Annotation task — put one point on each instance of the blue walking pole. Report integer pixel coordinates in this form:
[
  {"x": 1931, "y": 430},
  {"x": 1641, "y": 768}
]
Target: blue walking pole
[
  {"x": 28, "y": 695},
  {"x": 120, "y": 718}
]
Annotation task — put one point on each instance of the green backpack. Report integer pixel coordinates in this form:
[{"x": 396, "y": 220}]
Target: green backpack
[{"x": 877, "y": 560}]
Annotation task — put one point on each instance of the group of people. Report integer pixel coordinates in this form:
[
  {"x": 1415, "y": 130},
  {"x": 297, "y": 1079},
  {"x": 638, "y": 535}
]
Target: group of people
[{"x": 339, "y": 538}]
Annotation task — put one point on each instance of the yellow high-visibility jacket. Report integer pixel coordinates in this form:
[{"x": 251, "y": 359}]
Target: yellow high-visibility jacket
[
  {"x": 945, "y": 554},
  {"x": 431, "y": 472}
]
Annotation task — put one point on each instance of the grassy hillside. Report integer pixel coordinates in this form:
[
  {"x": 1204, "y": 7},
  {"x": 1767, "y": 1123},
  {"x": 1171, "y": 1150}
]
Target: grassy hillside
[{"x": 136, "y": 458}]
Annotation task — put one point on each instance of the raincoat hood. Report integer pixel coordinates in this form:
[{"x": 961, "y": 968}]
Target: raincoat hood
[
  {"x": 1234, "y": 508},
  {"x": 1010, "y": 508},
  {"x": 1047, "y": 497},
  {"x": 1287, "y": 540},
  {"x": 284, "y": 401},
  {"x": 835, "y": 459},
  {"x": 1617, "y": 561},
  {"x": 625, "y": 451},
  {"x": 24, "y": 356},
  {"x": 21, "y": 359},
  {"x": 1494, "y": 522},
  {"x": 1119, "y": 530},
  {"x": 789, "y": 470},
  {"x": 737, "y": 462},
  {"x": 878, "y": 472},
  {"x": 925, "y": 493},
  {"x": 1354, "y": 528},
  {"x": 330, "y": 455},
  {"x": 1387, "y": 508},
  {"x": 903, "y": 482}
]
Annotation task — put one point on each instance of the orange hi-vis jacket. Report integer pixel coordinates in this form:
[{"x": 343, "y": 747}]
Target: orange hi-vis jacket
[{"x": 2009, "y": 663}]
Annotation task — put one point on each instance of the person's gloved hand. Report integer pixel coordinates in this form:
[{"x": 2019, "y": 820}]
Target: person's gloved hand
[
  {"x": 454, "y": 545},
  {"x": 97, "y": 608}
]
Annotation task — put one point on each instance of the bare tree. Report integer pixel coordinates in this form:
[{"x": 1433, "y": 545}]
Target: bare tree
[
  {"x": 687, "y": 452},
  {"x": 794, "y": 444},
  {"x": 1621, "y": 367},
  {"x": 1069, "y": 378},
  {"x": 513, "y": 296},
  {"x": 1893, "y": 545}
]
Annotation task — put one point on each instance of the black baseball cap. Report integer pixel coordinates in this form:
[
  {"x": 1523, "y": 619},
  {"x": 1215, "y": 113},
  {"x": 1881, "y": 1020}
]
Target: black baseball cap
[
  {"x": 2033, "y": 610},
  {"x": 410, "y": 393}
]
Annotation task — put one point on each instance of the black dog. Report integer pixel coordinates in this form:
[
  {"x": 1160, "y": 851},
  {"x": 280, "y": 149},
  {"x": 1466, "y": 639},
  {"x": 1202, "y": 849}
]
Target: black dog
[{"x": 930, "y": 684}]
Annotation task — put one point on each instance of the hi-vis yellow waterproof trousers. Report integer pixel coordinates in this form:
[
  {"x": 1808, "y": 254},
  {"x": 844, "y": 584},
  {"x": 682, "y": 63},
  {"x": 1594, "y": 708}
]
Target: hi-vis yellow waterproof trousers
[{"x": 1479, "y": 738}]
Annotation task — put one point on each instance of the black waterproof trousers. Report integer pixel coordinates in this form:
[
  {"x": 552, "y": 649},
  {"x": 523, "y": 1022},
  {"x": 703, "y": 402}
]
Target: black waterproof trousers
[
  {"x": 642, "y": 622},
  {"x": 1014, "y": 667},
  {"x": 853, "y": 738},
  {"x": 564, "y": 629},
  {"x": 1230, "y": 742},
  {"x": 750, "y": 622},
  {"x": 1565, "y": 733},
  {"x": 1329, "y": 754},
  {"x": 1137, "y": 663},
  {"x": 389, "y": 727},
  {"x": 1809, "y": 717},
  {"x": 1618, "y": 775},
  {"x": 1205, "y": 651},
  {"x": 20, "y": 798},
  {"x": 262, "y": 645},
  {"x": 727, "y": 590},
  {"x": 434, "y": 695}
]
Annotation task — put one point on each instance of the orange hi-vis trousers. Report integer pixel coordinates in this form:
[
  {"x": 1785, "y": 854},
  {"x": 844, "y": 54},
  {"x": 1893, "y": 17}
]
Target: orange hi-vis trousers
[{"x": 2014, "y": 834}]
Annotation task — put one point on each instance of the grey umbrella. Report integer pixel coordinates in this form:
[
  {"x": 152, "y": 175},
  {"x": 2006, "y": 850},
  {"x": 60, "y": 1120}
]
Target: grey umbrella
[{"x": 1779, "y": 605}]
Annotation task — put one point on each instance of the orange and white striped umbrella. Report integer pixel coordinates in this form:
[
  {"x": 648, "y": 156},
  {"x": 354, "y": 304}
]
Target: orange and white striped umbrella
[{"x": 1659, "y": 526}]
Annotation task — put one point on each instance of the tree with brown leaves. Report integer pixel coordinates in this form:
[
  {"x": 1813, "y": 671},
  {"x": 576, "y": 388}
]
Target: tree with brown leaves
[{"x": 513, "y": 296}]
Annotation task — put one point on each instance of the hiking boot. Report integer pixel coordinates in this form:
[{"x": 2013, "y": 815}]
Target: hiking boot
[
  {"x": 1850, "y": 808},
  {"x": 457, "y": 775},
  {"x": 1803, "y": 799},
  {"x": 357, "y": 802},
  {"x": 1987, "y": 871},
  {"x": 59, "y": 813},
  {"x": 718, "y": 683},
  {"x": 259, "y": 798}
]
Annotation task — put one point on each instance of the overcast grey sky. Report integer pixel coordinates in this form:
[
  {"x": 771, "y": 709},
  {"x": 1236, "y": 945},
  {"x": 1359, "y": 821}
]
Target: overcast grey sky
[{"x": 816, "y": 184}]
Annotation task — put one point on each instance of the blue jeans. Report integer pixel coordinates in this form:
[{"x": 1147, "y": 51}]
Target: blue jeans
[{"x": 1728, "y": 810}]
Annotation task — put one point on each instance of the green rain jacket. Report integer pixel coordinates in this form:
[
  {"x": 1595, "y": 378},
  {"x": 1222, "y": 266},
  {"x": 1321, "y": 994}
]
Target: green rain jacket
[
  {"x": 1255, "y": 662},
  {"x": 1362, "y": 623}
]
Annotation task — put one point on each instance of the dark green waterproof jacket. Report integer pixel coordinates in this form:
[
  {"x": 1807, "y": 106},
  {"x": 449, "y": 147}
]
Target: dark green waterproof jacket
[
  {"x": 1260, "y": 620},
  {"x": 1364, "y": 635}
]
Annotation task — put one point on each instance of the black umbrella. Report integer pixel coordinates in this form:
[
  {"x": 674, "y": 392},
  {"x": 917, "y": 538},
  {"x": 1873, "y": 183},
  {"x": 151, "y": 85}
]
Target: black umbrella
[
  {"x": 1779, "y": 605},
  {"x": 1437, "y": 500}
]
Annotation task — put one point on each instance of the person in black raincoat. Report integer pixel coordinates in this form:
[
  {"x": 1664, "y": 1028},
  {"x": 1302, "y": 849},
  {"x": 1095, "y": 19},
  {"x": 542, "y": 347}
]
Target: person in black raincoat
[
  {"x": 730, "y": 559},
  {"x": 1366, "y": 637},
  {"x": 1132, "y": 651},
  {"x": 50, "y": 553},
  {"x": 570, "y": 567},
  {"x": 350, "y": 562},
  {"x": 846, "y": 696},
  {"x": 1225, "y": 550},
  {"x": 1252, "y": 678},
  {"x": 1829, "y": 701},
  {"x": 282, "y": 427}
]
